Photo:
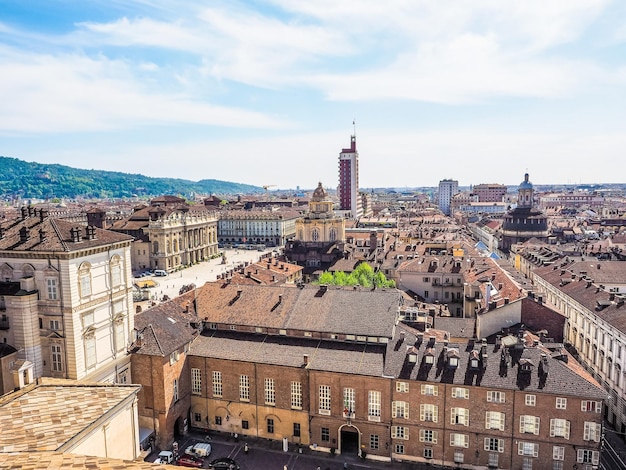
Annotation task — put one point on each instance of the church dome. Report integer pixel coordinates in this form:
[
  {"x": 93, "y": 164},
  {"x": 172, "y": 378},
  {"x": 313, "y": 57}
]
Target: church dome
[
  {"x": 319, "y": 194},
  {"x": 526, "y": 184}
]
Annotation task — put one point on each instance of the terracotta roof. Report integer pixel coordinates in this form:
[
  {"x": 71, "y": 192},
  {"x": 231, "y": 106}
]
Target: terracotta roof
[
  {"x": 352, "y": 358},
  {"x": 333, "y": 309},
  {"x": 46, "y": 234},
  {"x": 563, "y": 378},
  {"x": 58, "y": 460},
  {"x": 167, "y": 326},
  {"x": 45, "y": 416}
]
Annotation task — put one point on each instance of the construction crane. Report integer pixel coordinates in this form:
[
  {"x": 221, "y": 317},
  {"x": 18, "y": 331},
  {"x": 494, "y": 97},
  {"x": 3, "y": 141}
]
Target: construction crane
[{"x": 266, "y": 187}]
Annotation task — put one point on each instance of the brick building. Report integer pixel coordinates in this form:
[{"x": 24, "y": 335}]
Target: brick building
[{"x": 334, "y": 369}]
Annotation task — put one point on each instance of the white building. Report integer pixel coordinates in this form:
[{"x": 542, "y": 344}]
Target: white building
[
  {"x": 447, "y": 189},
  {"x": 271, "y": 228},
  {"x": 66, "y": 299}
]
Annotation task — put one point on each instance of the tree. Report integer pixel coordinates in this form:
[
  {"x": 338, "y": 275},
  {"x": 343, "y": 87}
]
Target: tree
[{"x": 363, "y": 275}]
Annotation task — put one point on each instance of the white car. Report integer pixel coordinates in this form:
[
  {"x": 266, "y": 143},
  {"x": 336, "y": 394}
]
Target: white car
[
  {"x": 201, "y": 449},
  {"x": 165, "y": 456}
]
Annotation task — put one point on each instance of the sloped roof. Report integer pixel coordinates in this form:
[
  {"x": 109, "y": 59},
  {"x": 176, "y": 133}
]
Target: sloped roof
[
  {"x": 309, "y": 308},
  {"x": 48, "y": 234}
]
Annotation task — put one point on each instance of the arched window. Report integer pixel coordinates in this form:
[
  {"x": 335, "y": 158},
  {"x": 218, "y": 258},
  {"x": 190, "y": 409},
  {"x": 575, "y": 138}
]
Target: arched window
[
  {"x": 155, "y": 247},
  {"x": 84, "y": 279},
  {"x": 332, "y": 234},
  {"x": 315, "y": 234},
  {"x": 28, "y": 270}
]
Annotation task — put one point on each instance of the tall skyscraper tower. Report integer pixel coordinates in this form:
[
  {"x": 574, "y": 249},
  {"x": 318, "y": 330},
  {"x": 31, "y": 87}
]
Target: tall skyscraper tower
[
  {"x": 348, "y": 189},
  {"x": 447, "y": 189}
]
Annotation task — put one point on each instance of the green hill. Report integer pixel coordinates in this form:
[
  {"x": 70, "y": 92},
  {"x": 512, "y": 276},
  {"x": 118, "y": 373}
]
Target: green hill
[{"x": 41, "y": 181}]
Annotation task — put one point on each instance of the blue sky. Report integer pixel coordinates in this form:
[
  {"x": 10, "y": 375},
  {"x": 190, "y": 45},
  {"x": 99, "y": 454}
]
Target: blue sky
[{"x": 265, "y": 92}]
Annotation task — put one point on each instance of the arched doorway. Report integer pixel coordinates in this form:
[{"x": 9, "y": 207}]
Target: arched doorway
[{"x": 350, "y": 439}]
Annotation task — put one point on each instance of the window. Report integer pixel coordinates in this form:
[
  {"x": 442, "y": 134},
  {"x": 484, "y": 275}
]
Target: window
[
  {"x": 588, "y": 456},
  {"x": 561, "y": 403},
  {"x": 459, "y": 440},
  {"x": 57, "y": 358},
  {"x": 400, "y": 409},
  {"x": 494, "y": 420},
  {"x": 55, "y": 325},
  {"x": 51, "y": 284},
  {"x": 428, "y": 435},
  {"x": 402, "y": 387},
  {"x": 557, "y": 465},
  {"x": 428, "y": 452},
  {"x": 174, "y": 357},
  {"x": 399, "y": 432},
  {"x": 529, "y": 424},
  {"x": 592, "y": 431},
  {"x": 428, "y": 412},
  {"x": 175, "y": 389},
  {"x": 244, "y": 388},
  {"x": 84, "y": 280},
  {"x": 116, "y": 272},
  {"x": 270, "y": 426},
  {"x": 197, "y": 417},
  {"x": 428, "y": 389},
  {"x": 196, "y": 381},
  {"x": 493, "y": 444},
  {"x": 493, "y": 461},
  {"x": 217, "y": 383},
  {"x": 296, "y": 395},
  {"x": 120, "y": 337},
  {"x": 530, "y": 400},
  {"x": 325, "y": 434},
  {"x": 399, "y": 448},
  {"x": 218, "y": 420},
  {"x": 270, "y": 392},
  {"x": 374, "y": 441},
  {"x": 558, "y": 453},
  {"x": 460, "y": 392},
  {"x": 459, "y": 457},
  {"x": 559, "y": 428},
  {"x": 528, "y": 448},
  {"x": 527, "y": 463},
  {"x": 324, "y": 399},
  {"x": 296, "y": 429},
  {"x": 245, "y": 424},
  {"x": 90, "y": 350},
  {"x": 373, "y": 405},
  {"x": 459, "y": 416},
  {"x": 495, "y": 397},
  {"x": 591, "y": 406},
  {"x": 348, "y": 402}
]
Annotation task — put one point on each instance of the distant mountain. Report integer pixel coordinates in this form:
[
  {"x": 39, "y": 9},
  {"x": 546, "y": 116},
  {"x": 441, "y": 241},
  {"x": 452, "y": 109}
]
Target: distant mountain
[{"x": 41, "y": 181}]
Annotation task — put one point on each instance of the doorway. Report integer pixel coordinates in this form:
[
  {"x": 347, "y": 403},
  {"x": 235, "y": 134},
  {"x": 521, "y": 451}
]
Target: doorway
[{"x": 349, "y": 440}]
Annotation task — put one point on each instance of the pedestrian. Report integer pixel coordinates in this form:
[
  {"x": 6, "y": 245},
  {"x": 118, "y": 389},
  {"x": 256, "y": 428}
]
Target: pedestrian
[{"x": 245, "y": 448}]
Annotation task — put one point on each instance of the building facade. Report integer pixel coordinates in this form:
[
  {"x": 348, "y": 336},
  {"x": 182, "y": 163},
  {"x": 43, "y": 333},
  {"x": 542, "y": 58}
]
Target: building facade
[
  {"x": 348, "y": 189},
  {"x": 270, "y": 228},
  {"x": 490, "y": 192},
  {"x": 447, "y": 189},
  {"x": 524, "y": 222},
  {"x": 320, "y": 235},
  {"x": 66, "y": 298}
]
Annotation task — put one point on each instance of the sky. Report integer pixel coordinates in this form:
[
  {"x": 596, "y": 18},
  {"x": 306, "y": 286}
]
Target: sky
[{"x": 269, "y": 92}]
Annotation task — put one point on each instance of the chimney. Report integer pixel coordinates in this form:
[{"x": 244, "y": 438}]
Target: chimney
[
  {"x": 42, "y": 235},
  {"x": 1, "y": 233},
  {"x": 31, "y": 211},
  {"x": 24, "y": 211},
  {"x": 24, "y": 235},
  {"x": 43, "y": 214},
  {"x": 75, "y": 234}
]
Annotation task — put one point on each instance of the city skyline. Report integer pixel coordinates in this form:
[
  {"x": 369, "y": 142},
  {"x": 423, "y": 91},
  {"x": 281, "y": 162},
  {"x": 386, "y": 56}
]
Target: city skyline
[{"x": 253, "y": 92}]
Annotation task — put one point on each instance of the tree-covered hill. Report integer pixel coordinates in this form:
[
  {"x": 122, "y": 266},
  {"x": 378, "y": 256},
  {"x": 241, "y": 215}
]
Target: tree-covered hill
[{"x": 29, "y": 180}]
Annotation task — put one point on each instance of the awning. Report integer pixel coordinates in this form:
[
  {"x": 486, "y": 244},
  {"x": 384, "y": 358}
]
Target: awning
[
  {"x": 145, "y": 433},
  {"x": 145, "y": 284}
]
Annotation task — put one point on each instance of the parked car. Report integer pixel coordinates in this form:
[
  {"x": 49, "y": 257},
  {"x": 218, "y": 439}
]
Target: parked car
[
  {"x": 200, "y": 449},
  {"x": 190, "y": 461},
  {"x": 165, "y": 456},
  {"x": 160, "y": 272},
  {"x": 224, "y": 463}
]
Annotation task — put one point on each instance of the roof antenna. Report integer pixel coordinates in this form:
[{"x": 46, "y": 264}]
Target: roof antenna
[{"x": 354, "y": 127}]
